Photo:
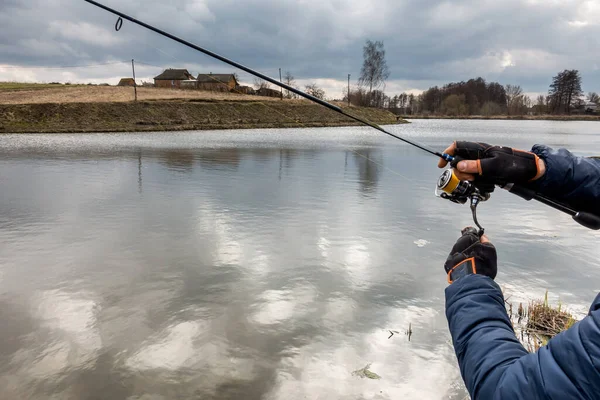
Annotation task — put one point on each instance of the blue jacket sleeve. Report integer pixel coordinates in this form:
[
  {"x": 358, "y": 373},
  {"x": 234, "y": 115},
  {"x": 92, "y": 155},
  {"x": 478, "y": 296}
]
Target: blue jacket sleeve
[
  {"x": 574, "y": 181},
  {"x": 494, "y": 364}
]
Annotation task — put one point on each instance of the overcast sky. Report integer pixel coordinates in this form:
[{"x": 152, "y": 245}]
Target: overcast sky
[{"x": 428, "y": 42}]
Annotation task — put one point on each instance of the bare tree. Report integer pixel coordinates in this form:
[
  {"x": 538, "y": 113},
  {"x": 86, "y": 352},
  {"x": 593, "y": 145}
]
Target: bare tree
[
  {"x": 403, "y": 100},
  {"x": 540, "y": 105},
  {"x": 261, "y": 84},
  {"x": 593, "y": 97},
  {"x": 289, "y": 80},
  {"x": 513, "y": 98},
  {"x": 374, "y": 71},
  {"x": 316, "y": 91}
]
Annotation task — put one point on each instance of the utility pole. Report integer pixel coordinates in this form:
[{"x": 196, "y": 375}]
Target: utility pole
[
  {"x": 281, "y": 82},
  {"x": 348, "y": 90},
  {"x": 134, "y": 84}
]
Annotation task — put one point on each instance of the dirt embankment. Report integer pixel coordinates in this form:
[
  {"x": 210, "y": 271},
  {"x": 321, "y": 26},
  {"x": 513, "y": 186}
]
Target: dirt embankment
[{"x": 175, "y": 115}]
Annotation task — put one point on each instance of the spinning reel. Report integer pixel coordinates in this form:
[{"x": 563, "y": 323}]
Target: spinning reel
[{"x": 451, "y": 188}]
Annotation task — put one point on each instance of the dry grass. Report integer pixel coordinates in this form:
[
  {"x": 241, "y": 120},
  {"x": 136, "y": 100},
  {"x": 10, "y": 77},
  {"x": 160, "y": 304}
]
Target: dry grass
[
  {"x": 540, "y": 322},
  {"x": 18, "y": 93}
]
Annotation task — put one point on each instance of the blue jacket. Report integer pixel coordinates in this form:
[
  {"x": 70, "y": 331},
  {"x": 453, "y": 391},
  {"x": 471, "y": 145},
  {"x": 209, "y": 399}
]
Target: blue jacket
[
  {"x": 493, "y": 363},
  {"x": 572, "y": 180}
]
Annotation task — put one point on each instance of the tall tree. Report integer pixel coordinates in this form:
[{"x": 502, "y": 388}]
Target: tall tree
[
  {"x": 411, "y": 103},
  {"x": 497, "y": 94},
  {"x": 432, "y": 99},
  {"x": 403, "y": 100},
  {"x": 374, "y": 71},
  {"x": 565, "y": 91}
]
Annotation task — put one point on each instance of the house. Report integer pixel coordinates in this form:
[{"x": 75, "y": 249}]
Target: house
[
  {"x": 590, "y": 107},
  {"x": 268, "y": 92},
  {"x": 172, "y": 78},
  {"x": 217, "y": 82},
  {"x": 126, "y": 82}
]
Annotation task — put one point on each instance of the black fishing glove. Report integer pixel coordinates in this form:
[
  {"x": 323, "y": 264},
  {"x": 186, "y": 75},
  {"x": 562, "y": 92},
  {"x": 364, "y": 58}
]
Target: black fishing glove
[
  {"x": 498, "y": 164},
  {"x": 471, "y": 255}
]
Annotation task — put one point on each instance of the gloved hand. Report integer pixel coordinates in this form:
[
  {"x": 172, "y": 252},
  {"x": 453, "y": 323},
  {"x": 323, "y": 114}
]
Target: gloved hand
[
  {"x": 471, "y": 255},
  {"x": 497, "y": 164}
]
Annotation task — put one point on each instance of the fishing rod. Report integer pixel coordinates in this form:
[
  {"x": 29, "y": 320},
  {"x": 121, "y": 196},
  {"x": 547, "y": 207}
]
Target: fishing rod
[
  {"x": 449, "y": 185},
  {"x": 292, "y": 89}
]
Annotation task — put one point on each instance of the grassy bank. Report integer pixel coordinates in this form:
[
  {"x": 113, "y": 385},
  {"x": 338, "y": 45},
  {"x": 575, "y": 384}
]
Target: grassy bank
[
  {"x": 175, "y": 115},
  {"x": 511, "y": 117}
]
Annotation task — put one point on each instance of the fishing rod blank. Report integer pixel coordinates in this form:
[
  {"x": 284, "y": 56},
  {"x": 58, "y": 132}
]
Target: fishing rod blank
[{"x": 324, "y": 103}]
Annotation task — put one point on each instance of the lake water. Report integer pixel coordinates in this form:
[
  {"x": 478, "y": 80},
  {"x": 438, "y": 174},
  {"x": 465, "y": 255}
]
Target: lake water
[{"x": 266, "y": 264}]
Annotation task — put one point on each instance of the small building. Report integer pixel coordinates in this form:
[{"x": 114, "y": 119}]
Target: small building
[
  {"x": 217, "y": 82},
  {"x": 172, "y": 78},
  {"x": 245, "y": 90},
  {"x": 590, "y": 107},
  {"x": 267, "y": 92},
  {"x": 126, "y": 82}
]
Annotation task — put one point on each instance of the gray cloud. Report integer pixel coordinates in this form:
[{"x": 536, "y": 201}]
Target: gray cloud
[{"x": 428, "y": 42}]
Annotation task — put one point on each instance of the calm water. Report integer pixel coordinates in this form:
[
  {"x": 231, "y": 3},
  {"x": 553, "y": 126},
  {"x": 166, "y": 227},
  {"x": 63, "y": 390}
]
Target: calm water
[{"x": 263, "y": 264}]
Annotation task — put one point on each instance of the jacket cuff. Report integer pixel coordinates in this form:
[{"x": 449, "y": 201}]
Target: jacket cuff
[
  {"x": 470, "y": 284},
  {"x": 543, "y": 152}
]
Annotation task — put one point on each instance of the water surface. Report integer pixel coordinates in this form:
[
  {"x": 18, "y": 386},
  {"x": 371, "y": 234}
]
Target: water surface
[{"x": 259, "y": 264}]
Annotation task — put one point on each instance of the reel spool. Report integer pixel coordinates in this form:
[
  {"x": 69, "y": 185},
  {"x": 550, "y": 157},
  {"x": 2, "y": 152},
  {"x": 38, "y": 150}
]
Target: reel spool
[{"x": 451, "y": 188}]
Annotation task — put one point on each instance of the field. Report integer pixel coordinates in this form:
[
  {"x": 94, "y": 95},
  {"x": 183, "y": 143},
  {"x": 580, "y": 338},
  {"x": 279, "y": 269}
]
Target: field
[{"x": 32, "y": 93}]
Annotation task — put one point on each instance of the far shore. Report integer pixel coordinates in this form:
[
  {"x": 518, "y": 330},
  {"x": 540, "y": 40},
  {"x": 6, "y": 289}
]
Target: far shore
[
  {"x": 47, "y": 108},
  {"x": 161, "y": 115},
  {"x": 545, "y": 117}
]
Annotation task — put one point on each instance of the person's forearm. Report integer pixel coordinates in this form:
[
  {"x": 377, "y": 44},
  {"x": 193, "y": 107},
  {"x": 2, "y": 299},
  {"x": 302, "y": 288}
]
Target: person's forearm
[
  {"x": 482, "y": 333},
  {"x": 572, "y": 180},
  {"x": 494, "y": 364}
]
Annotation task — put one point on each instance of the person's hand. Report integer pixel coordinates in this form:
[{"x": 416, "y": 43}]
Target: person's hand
[
  {"x": 495, "y": 163},
  {"x": 471, "y": 255}
]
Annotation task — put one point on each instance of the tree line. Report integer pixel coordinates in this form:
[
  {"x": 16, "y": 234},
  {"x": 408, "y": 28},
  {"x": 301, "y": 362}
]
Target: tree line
[
  {"x": 478, "y": 97},
  {"x": 473, "y": 97}
]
